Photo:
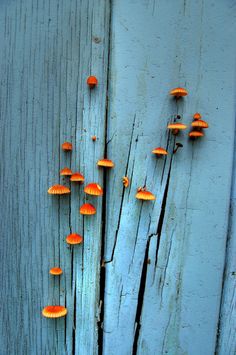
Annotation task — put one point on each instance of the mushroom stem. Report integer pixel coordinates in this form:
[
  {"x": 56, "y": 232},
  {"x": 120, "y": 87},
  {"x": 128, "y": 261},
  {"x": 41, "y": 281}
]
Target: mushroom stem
[
  {"x": 178, "y": 145},
  {"x": 175, "y": 131},
  {"x": 175, "y": 150}
]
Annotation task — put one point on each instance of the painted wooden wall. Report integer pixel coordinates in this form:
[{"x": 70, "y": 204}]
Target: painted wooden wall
[{"x": 148, "y": 278}]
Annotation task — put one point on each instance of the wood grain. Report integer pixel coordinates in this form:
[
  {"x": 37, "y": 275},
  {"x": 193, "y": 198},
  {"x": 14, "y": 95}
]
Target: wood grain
[
  {"x": 226, "y": 343},
  {"x": 47, "y": 51},
  {"x": 170, "y": 305},
  {"x": 148, "y": 277}
]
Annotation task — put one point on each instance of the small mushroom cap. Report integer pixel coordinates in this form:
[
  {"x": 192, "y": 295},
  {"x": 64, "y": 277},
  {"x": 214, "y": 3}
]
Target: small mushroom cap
[
  {"x": 145, "y": 195},
  {"x": 93, "y": 189},
  {"x": 176, "y": 126},
  {"x": 200, "y": 123},
  {"x": 106, "y": 163},
  {"x": 94, "y": 138},
  {"x": 197, "y": 116},
  {"x": 74, "y": 238},
  {"x": 125, "y": 181},
  {"x": 65, "y": 172},
  {"x": 77, "y": 177},
  {"x": 87, "y": 209},
  {"x": 159, "y": 151},
  {"x": 179, "y": 145},
  {"x": 67, "y": 146},
  {"x": 178, "y": 92},
  {"x": 195, "y": 134},
  {"x": 54, "y": 311},
  {"x": 55, "y": 271},
  {"x": 58, "y": 190},
  {"x": 92, "y": 81}
]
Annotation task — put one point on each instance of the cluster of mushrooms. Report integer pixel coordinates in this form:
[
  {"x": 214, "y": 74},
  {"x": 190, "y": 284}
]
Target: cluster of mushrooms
[
  {"x": 198, "y": 125},
  {"x": 94, "y": 189}
]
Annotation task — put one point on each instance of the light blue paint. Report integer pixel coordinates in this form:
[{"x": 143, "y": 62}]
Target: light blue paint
[
  {"x": 47, "y": 51},
  {"x": 159, "y": 47},
  {"x": 227, "y": 327}
]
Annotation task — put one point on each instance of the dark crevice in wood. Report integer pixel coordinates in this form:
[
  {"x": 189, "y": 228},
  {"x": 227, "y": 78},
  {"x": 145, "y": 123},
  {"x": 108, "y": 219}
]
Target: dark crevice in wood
[
  {"x": 137, "y": 230},
  {"x": 102, "y": 272},
  {"x": 224, "y": 278},
  {"x": 74, "y": 326},
  {"x": 167, "y": 147},
  {"x": 65, "y": 323},
  {"x": 123, "y": 193},
  {"x": 72, "y": 263},
  {"x": 163, "y": 205},
  {"x": 162, "y": 214},
  {"x": 227, "y": 248},
  {"x": 140, "y": 298},
  {"x": 103, "y": 229},
  {"x": 145, "y": 262}
]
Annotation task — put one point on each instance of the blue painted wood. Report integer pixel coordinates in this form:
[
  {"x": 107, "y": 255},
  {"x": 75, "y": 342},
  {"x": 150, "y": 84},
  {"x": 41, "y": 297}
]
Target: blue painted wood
[
  {"x": 174, "y": 308},
  {"x": 47, "y": 51},
  {"x": 227, "y": 322},
  {"x": 163, "y": 261}
]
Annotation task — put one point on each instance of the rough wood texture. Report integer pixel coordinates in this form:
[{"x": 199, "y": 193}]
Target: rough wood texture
[
  {"x": 48, "y": 48},
  {"x": 227, "y": 323},
  {"x": 171, "y": 304},
  {"x": 161, "y": 278}
]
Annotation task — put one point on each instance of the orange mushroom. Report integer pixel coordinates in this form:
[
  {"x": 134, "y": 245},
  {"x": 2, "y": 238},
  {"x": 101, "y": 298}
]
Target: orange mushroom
[
  {"x": 196, "y": 134},
  {"x": 197, "y": 116},
  {"x": 92, "y": 81},
  {"x": 200, "y": 124},
  {"x": 93, "y": 189},
  {"x": 179, "y": 92},
  {"x": 94, "y": 138},
  {"x": 74, "y": 238},
  {"x": 125, "y": 181},
  {"x": 77, "y": 177},
  {"x": 106, "y": 163},
  {"x": 66, "y": 146},
  {"x": 54, "y": 311},
  {"x": 176, "y": 127},
  {"x": 87, "y": 209},
  {"x": 159, "y": 151},
  {"x": 58, "y": 190},
  {"x": 66, "y": 172},
  {"x": 55, "y": 271},
  {"x": 143, "y": 194}
]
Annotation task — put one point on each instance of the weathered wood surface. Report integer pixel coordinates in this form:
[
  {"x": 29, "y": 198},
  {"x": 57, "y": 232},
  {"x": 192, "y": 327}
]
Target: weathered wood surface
[
  {"x": 176, "y": 303},
  {"x": 162, "y": 281},
  {"x": 227, "y": 323},
  {"x": 48, "y": 48}
]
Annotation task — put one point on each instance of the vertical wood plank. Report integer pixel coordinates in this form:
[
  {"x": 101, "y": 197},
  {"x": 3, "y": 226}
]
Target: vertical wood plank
[
  {"x": 227, "y": 323},
  {"x": 165, "y": 260},
  {"x": 48, "y": 50}
]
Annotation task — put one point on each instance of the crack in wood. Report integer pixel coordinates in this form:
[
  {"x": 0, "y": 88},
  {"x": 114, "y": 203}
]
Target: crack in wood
[
  {"x": 162, "y": 214},
  {"x": 122, "y": 197},
  {"x": 140, "y": 298},
  {"x": 74, "y": 324},
  {"x": 103, "y": 232}
]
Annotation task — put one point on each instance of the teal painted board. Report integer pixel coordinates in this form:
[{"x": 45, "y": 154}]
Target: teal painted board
[
  {"x": 165, "y": 260},
  {"x": 227, "y": 322},
  {"x": 148, "y": 277},
  {"x": 47, "y": 51}
]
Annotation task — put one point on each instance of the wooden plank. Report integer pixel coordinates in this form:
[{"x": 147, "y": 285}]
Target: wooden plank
[
  {"x": 172, "y": 304},
  {"x": 47, "y": 51},
  {"x": 227, "y": 325}
]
